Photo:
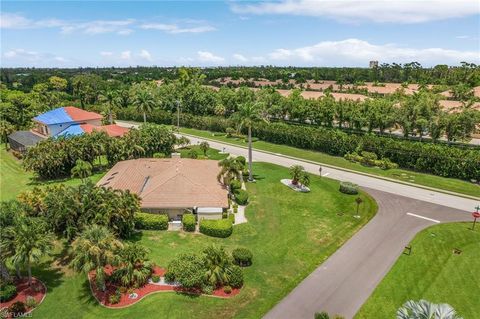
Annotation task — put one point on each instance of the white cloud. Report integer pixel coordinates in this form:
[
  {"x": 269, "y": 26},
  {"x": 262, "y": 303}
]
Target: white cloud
[
  {"x": 100, "y": 26},
  {"x": 22, "y": 54},
  {"x": 106, "y": 53},
  {"x": 355, "y": 52},
  {"x": 208, "y": 57},
  {"x": 23, "y": 57},
  {"x": 395, "y": 11},
  {"x": 462, "y": 37},
  {"x": 144, "y": 54},
  {"x": 175, "y": 28},
  {"x": 126, "y": 55},
  {"x": 240, "y": 57}
]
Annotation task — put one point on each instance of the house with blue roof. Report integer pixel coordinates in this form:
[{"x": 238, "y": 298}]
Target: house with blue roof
[{"x": 62, "y": 122}]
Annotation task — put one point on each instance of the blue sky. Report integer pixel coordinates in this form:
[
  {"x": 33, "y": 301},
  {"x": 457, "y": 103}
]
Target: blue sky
[{"x": 209, "y": 33}]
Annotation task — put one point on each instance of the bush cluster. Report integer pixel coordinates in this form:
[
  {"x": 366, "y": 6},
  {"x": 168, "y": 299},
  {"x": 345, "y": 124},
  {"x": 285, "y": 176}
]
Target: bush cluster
[
  {"x": 235, "y": 185},
  {"x": 348, "y": 188},
  {"x": 435, "y": 158},
  {"x": 151, "y": 221},
  {"x": 242, "y": 256},
  {"x": 155, "y": 278},
  {"x": 188, "y": 222},
  {"x": 17, "y": 309},
  {"x": 241, "y": 197},
  {"x": 236, "y": 277},
  {"x": 221, "y": 228},
  {"x": 7, "y": 292},
  {"x": 370, "y": 159}
]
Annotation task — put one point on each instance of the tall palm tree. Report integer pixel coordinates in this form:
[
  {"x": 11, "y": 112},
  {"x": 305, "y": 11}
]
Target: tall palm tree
[
  {"x": 94, "y": 249},
  {"x": 31, "y": 243},
  {"x": 109, "y": 97},
  {"x": 217, "y": 264},
  {"x": 247, "y": 114},
  {"x": 144, "y": 102},
  {"x": 426, "y": 310}
]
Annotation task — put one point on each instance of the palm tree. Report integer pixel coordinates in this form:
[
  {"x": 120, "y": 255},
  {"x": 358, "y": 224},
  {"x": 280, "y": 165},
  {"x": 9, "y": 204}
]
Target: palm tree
[
  {"x": 426, "y": 310},
  {"x": 82, "y": 170},
  {"x": 230, "y": 169},
  {"x": 204, "y": 147},
  {"x": 144, "y": 102},
  {"x": 217, "y": 264},
  {"x": 94, "y": 249},
  {"x": 31, "y": 243},
  {"x": 109, "y": 97},
  {"x": 296, "y": 171},
  {"x": 247, "y": 114},
  {"x": 134, "y": 268}
]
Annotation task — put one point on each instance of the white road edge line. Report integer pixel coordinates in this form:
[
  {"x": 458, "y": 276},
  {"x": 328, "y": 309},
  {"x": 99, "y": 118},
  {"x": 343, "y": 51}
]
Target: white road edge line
[{"x": 423, "y": 217}]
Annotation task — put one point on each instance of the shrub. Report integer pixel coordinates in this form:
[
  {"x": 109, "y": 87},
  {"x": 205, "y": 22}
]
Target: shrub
[
  {"x": 230, "y": 131},
  {"x": 227, "y": 289},
  {"x": 242, "y": 256},
  {"x": 17, "y": 309},
  {"x": 187, "y": 269},
  {"x": 30, "y": 302},
  {"x": 235, "y": 208},
  {"x": 114, "y": 299},
  {"x": 221, "y": 228},
  {"x": 7, "y": 292},
  {"x": 369, "y": 158},
  {"x": 254, "y": 139},
  {"x": 322, "y": 315},
  {"x": 241, "y": 159},
  {"x": 235, "y": 185},
  {"x": 188, "y": 222},
  {"x": 151, "y": 221},
  {"x": 235, "y": 278},
  {"x": 122, "y": 290},
  {"x": 385, "y": 163},
  {"x": 159, "y": 155},
  {"x": 232, "y": 218},
  {"x": 207, "y": 289},
  {"x": 155, "y": 278},
  {"x": 348, "y": 188},
  {"x": 241, "y": 197},
  {"x": 192, "y": 154}
]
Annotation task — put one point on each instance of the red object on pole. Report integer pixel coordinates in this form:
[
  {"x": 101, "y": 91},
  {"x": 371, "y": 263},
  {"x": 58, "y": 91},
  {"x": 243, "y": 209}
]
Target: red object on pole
[{"x": 475, "y": 216}]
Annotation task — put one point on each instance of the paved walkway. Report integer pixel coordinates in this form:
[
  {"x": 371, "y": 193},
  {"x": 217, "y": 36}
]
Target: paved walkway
[{"x": 345, "y": 281}]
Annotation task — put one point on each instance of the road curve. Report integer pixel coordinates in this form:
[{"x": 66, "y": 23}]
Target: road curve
[{"x": 344, "y": 281}]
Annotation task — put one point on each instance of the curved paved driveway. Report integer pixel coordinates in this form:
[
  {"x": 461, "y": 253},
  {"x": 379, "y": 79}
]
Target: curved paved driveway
[{"x": 345, "y": 281}]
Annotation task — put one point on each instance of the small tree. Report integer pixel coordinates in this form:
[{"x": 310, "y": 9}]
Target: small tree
[
  {"x": 299, "y": 175},
  {"x": 425, "y": 309},
  {"x": 217, "y": 264},
  {"x": 204, "y": 147},
  {"x": 82, "y": 170},
  {"x": 358, "y": 200},
  {"x": 134, "y": 267}
]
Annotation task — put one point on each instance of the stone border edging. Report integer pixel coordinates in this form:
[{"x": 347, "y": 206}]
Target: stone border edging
[{"x": 41, "y": 300}]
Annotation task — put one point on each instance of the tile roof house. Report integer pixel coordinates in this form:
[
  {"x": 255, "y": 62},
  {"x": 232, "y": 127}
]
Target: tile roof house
[
  {"x": 171, "y": 185},
  {"x": 62, "y": 122}
]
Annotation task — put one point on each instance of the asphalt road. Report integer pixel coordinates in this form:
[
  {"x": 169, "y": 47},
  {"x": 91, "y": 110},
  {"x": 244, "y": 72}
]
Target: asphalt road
[{"x": 343, "y": 282}]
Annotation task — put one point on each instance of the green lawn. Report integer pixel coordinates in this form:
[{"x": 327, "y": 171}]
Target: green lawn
[
  {"x": 449, "y": 184},
  {"x": 433, "y": 272},
  {"x": 14, "y": 179},
  {"x": 289, "y": 233}
]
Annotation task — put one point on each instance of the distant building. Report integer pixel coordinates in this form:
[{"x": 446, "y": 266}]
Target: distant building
[
  {"x": 373, "y": 64},
  {"x": 62, "y": 121}
]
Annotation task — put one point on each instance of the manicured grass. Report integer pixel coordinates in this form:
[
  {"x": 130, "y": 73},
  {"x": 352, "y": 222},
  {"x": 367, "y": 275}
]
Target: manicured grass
[
  {"x": 432, "y": 272},
  {"x": 289, "y": 233},
  {"x": 449, "y": 184},
  {"x": 212, "y": 154},
  {"x": 14, "y": 179}
]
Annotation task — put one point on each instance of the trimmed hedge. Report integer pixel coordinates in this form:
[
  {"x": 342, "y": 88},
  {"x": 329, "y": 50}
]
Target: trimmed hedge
[
  {"x": 235, "y": 185},
  {"x": 151, "y": 221},
  {"x": 241, "y": 197},
  {"x": 348, "y": 188},
  {"x": 242, "y": 257},
  {"x": 435, "y": 158},
  {"x": 221, "y": 228},
  {"x": 7, "y": 292},
  {"x": 235, "y": 279},
  {"x": 188, "y": 222}
]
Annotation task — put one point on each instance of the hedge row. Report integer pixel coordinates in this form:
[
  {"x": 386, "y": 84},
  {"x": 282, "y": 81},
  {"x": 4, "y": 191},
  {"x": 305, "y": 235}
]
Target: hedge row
[
  {"x": 348, "y": 188},
  {"x": 188, "y": 222},
  {"x": 241, "y": 196},
  {"x": 222, "y": 228},
  {"x": 151, "y": 221},
  {"x": 437, "y": 159}
]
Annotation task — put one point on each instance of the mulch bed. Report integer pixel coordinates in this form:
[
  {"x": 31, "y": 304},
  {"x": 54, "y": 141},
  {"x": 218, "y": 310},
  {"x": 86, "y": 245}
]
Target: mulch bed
[
  {"x": 37, "y": 291},
  {"x": 125, "y": 301}
]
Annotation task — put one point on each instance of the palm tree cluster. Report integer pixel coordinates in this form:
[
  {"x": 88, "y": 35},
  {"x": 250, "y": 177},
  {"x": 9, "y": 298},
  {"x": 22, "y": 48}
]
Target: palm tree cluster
[
  {"x": 70, "y": 209},
  {"x": 424, "y": 309},
  {"x": 299, "y": 175}
]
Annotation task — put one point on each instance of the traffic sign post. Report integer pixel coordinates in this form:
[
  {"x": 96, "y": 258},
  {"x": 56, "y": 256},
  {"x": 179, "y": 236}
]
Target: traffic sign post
[{"x": 475, "y": 216}]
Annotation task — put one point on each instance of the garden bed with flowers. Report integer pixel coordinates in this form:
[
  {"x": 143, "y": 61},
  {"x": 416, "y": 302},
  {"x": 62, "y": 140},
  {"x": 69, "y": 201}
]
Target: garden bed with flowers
[{"x": 26, "y": 299}]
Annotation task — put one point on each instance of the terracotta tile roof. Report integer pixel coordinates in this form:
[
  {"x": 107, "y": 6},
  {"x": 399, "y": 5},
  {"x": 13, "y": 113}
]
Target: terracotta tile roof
[
  {"x": 170, "y": 182},
  {"x": 81, "y": 115},
  {"x": 112, "y": 130}
]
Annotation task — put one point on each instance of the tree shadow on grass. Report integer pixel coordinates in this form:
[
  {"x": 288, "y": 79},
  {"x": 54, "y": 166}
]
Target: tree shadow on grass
[
  {"x": 86, "y": 295},
  {"x": 135, "y": 237}
]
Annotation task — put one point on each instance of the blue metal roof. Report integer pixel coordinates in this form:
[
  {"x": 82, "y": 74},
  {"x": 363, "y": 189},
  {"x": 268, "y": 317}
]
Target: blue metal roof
[
  {"x": 72, "y": 130},
  {"x": 56, "y": 116}
]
